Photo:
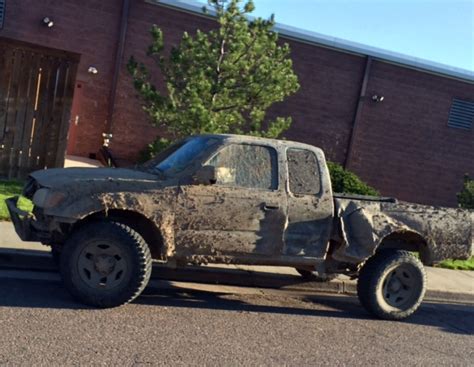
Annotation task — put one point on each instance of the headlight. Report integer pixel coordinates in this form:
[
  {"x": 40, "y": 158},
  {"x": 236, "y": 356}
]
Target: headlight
[{"x": 45, "y": 198}]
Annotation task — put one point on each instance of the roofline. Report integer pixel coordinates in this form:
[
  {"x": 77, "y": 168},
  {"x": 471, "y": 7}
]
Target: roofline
[
  {"x": 258, "y": 139},
  {"x": 338, "y": 44}
]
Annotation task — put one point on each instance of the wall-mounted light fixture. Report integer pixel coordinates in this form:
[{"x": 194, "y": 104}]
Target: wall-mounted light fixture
[
  {"x": 92, "y": 70},
  {"x": 48, "y": 22},
  {"x": 377, "y": 98}
]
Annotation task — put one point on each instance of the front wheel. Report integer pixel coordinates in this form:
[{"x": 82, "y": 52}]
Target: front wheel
[
  {"x": 392, "y": 284},
  {"x": 105, "y": 264},
  {"x": 56, "y": 256}
]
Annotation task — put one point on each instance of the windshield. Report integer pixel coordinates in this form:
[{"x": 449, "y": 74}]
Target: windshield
[{"x": 180, "y": 155}]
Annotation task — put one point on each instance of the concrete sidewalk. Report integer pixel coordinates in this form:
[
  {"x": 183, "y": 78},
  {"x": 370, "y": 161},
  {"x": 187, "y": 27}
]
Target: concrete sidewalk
[
  {"x": 74, "y": 161},
  {"x": 443, "y": 284}
]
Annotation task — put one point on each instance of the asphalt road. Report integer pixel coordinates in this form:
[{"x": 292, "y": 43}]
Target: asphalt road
[{"x": 41, "y": 325}]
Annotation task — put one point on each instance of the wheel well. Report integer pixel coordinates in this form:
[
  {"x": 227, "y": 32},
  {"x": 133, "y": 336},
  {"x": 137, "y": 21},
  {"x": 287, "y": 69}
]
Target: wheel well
[
  {"x": 138, "y": 222},
  {"x": 409, "y": 241}
]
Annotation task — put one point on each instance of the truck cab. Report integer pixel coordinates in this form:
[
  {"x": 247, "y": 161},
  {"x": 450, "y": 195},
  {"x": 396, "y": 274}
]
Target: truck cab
[{"x": 263, "y": 202}]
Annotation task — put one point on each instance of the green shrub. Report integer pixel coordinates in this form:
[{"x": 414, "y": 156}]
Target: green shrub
[
  {"x": 458, "y": 264},
  {"x": 466, "y": 196},
  {"x": 347, "y": 182},
  {"x": 7, "y": 190}
]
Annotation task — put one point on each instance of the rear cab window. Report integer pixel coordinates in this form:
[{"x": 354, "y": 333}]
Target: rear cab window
[{"x": 303, "y": 172}]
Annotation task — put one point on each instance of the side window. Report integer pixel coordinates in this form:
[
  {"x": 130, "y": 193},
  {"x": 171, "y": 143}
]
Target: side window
[
  {"x": 303, "y": 171},
  {"x": 241, "y": 165}
]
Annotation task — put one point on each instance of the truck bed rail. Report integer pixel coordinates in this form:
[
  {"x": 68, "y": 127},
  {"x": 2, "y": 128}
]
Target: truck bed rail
[{"x": 338, "y": 195}]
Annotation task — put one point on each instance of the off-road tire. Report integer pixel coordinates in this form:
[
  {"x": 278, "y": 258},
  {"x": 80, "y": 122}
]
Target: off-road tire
[
  {"x": 382, "y": 272},
  {"x": 55, "y": 253},
  {"x": 133, "y": 251},
  {"x": 315, "y": 276},
  {"x": 56, "y": 256}
]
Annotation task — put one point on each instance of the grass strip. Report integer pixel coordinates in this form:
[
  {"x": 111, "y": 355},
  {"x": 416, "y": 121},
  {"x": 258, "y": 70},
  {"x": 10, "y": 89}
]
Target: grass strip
[{"x": 9, "y": 189}]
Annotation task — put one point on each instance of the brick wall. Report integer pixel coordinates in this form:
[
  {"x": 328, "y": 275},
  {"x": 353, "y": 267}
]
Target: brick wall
[
  {"x": 89, "y": 28},
  {"x": 403, "y": 146}
]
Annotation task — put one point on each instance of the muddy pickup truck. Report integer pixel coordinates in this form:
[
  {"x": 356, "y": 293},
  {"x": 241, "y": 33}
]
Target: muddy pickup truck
[{"x": 241, "y": 200}]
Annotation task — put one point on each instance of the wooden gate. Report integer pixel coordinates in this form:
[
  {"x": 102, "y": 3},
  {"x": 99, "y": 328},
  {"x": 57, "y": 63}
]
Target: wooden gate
[{"x": 36, "y": 89}]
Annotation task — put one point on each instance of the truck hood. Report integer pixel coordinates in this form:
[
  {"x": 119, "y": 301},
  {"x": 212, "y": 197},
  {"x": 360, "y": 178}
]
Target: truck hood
[
  {"x": 78, "y": 192},
  {"x": 58, "y": 177}
]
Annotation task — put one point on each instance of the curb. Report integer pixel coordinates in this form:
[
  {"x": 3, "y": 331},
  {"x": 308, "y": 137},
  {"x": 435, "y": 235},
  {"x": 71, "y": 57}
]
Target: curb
[
  {"x": 26, "y": 260},
  {"x": 27, "y": 264}
]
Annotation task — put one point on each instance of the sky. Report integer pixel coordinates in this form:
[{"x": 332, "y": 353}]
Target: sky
[{"x": 436, "y": 30}]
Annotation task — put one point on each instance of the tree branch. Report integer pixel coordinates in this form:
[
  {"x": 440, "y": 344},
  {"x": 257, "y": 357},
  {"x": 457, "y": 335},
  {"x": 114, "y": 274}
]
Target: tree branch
[
  {"x": 224, "y": 108},
  {"x": 218, "y": 67}
]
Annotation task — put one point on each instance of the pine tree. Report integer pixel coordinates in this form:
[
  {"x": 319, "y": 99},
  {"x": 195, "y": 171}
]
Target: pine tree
[{"x": 220, "y": 81}]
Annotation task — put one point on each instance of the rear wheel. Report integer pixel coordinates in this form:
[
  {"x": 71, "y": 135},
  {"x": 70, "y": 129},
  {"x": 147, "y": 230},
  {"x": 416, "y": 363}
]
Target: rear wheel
[
  {"x": 392, "y": 284},
  {"x": 315, "y": 276},
  {"x": 105, "y": 264}
]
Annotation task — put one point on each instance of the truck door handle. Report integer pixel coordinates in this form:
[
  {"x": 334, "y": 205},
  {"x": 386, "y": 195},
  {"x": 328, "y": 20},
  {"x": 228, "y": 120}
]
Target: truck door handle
[{"x": 270, "y": 207}]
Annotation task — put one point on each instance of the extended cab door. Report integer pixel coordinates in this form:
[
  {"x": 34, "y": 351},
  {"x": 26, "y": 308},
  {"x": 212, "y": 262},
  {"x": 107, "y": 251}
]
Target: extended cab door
[
  {"x": 243, "y": 214},
  {"x": 310, "y": 204}
]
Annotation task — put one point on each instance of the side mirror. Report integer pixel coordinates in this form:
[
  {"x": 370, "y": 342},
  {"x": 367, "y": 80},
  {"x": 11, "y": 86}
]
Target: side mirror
[{"x": 206, "y": 175}]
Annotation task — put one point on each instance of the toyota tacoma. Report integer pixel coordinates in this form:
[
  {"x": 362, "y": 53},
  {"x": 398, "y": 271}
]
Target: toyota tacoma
[{"x": 240, "y": 200}]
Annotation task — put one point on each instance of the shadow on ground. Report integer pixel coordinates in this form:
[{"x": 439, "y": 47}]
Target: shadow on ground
[
  {"x": 458, "y": 319},
  {"x": 450, "y": 318}
]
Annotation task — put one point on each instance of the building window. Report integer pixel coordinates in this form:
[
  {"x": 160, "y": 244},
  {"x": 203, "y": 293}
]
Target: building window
[
  {"x": 2, "y": 12},
  {"x": 461, "y": 115}
]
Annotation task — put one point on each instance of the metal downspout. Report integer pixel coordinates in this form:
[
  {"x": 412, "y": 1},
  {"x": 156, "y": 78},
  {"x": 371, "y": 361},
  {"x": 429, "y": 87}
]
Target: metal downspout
[
  {"x": 118, "y": 60},
  {"x": 358, "y": 113}
]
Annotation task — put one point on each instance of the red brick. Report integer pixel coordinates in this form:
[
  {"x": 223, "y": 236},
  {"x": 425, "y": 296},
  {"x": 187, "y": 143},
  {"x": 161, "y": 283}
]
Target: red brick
[{"x": 402, "y": 146}]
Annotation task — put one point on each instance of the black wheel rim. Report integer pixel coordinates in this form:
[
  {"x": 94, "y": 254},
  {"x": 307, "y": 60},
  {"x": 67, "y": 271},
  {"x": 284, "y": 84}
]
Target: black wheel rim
[
  {"x": 401, "y": 287},
  {"x": 102, "y": 265}
]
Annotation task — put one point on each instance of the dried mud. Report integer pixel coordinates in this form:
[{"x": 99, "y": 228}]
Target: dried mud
[{"x": 214, "y": 223}]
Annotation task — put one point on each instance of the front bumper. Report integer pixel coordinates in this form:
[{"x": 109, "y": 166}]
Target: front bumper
[{"x": 23, "y": 221}]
